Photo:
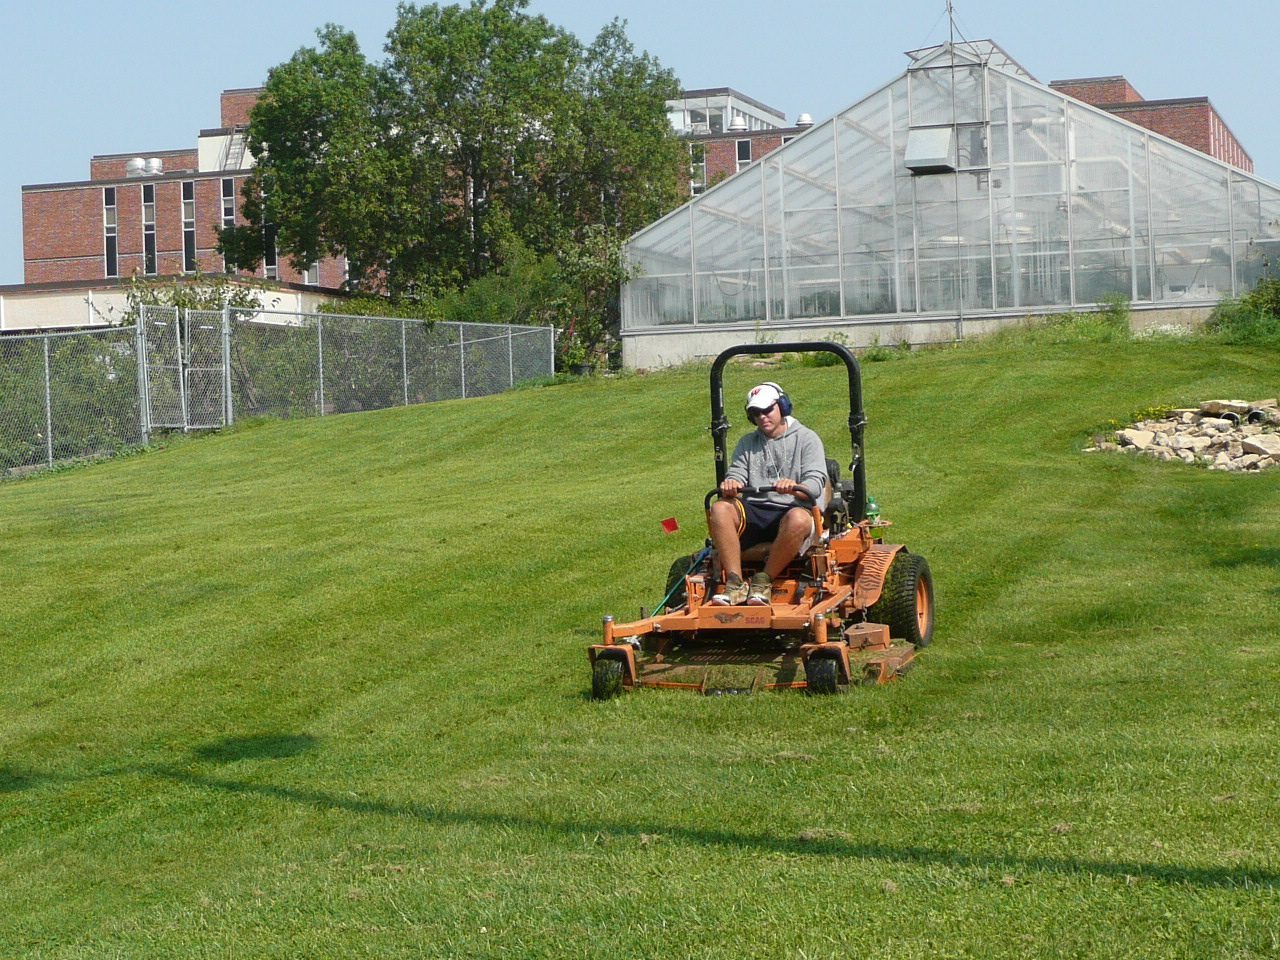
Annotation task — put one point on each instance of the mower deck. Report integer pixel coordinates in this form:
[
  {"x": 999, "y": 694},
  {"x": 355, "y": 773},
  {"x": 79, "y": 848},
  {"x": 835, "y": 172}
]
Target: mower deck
[{"x": 732, "y": 670}]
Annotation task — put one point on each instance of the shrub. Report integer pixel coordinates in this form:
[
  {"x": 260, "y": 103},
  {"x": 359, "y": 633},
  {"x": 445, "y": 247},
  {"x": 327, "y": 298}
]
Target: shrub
[{"x": 1253, "y": 318}]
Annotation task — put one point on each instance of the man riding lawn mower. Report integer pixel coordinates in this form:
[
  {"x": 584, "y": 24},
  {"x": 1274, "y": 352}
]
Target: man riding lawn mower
[{"x": 796, "y": 587}]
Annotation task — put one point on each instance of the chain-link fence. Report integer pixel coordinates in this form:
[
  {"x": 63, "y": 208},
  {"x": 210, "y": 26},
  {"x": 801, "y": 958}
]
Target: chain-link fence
[
  {"x": 67, "y": 395},
  {"x": 71, "y": 395}
]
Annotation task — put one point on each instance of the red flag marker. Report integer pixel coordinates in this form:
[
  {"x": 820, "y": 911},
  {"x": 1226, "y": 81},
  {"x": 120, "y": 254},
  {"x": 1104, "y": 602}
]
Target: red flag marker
[{"x": 670, "y": 525}]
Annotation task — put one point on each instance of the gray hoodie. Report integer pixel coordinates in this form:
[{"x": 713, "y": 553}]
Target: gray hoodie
[{"x": 797, "y": 454}]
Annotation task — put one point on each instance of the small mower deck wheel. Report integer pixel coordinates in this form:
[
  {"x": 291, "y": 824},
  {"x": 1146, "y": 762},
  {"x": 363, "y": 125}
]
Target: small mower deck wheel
[
  {"x": 822, "y": 674},
  {"x": 906, "y": 604},
  {"x": 606, "y": 678}
]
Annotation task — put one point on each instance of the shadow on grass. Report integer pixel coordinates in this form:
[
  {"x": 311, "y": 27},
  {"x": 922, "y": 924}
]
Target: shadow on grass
[
  {"x": 260, "y": 747},
  {"x": 1248, "y": 557},
  {"x": 833, "y": 846},
  {"x": 13, "y": 779}
]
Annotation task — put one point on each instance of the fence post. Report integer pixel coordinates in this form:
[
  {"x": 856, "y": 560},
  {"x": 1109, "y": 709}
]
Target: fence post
[
  {"x": 404, "y": 359},
  {"x": 48, "y": 406},
  {"x": 228, "y": 408},
  {"x": 462, "y": 356},
  {"x": 179, "y": 319},
  {"x": 320, "y": 351},
  {"x": 144, "y": 385},
  {"x": 511, "y": 360}
]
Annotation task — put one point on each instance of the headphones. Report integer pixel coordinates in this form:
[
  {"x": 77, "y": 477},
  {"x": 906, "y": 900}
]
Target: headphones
[{"x": 784, "y": 402}]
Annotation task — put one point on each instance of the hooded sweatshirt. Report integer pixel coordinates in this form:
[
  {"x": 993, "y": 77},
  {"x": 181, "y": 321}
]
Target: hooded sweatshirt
[{"x": 797, "y": 454}]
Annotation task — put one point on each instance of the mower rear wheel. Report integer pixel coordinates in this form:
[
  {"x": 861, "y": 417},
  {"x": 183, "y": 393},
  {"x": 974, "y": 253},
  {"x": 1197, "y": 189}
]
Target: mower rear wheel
[
  {"x": 906, "y": 603},
  {"x": 606, "y": 678},
  {"x": 822, "y": 675}
]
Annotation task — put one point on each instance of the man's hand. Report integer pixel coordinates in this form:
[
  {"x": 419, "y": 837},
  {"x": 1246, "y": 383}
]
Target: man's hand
[
  {"x": 785, "y": 485},
  {"x": 730, "y": 488}
]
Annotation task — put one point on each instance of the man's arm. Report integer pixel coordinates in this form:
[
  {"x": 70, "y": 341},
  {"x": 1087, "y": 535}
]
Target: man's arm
[
  {"x": 738, "y": 471},
  {"x": 813, "y": 465}
]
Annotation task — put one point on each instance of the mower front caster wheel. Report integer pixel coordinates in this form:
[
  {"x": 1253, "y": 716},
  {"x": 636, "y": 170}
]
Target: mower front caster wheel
[
  {"x": 606, "y": 678},
  {"x": 822, "y": 675}
]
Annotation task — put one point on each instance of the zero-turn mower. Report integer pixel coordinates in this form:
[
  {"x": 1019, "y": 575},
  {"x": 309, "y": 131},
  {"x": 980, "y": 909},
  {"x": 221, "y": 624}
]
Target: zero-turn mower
[{"x": 851, "y": 609}]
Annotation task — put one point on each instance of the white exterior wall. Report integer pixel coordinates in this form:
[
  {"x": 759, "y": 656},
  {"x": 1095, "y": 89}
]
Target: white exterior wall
[
  {"x": 42, "y": 310},
  {"x": 670, "y": 347}
]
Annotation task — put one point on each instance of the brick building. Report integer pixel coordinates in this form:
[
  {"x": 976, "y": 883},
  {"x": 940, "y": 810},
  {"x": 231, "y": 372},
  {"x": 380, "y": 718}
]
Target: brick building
[
  {"x": 155, "y": 215},
  {"x": 1189, "y": 120}
]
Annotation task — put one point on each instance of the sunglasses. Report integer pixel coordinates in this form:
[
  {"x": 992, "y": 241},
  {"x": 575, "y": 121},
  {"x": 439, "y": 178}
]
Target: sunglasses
[{"x": 755, "y": 415}]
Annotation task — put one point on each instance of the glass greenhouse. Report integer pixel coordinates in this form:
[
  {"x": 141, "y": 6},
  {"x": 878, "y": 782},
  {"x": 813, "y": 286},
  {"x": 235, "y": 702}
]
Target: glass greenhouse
[{"x": 964, "y": 187}]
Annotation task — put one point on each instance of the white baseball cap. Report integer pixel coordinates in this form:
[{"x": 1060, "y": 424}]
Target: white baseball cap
[{"x": 763, "y": 396}]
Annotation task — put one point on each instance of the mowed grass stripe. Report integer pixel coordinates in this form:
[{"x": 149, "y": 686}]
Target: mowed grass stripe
[{"x": 319, "y": 688}]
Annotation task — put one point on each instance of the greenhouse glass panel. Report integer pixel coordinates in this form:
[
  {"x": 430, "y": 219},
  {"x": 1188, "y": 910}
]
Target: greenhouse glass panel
[
  {"x": 869, "y": 268},
  {"x": 728, "y": 229},
  {"x": 1038, "y": 121},
  {"x": 997, "y": 126},
  {"x": 1103, "y": 269},
  {"x": 905, "y": 218},
  {"x": 946, "y": 94},
  {"x": 811, "y": 263},
  {"x": 662, "y": 293},
  {"x": 1101, "y": 195},
  {"x": 1190, "y": 220},
  {"x": 809, "y": 170},
  {"x": 866, "y": 151},
  {"x": 775, "y": 241},
  {"x": 1257, "y": 231}
]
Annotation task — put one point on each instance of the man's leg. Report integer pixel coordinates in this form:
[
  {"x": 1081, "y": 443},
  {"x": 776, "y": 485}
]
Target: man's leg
[
  {"x": 794, "y": 529},
  {"x": 723, "y": 524},
  {"x": 724, "y": 535}
]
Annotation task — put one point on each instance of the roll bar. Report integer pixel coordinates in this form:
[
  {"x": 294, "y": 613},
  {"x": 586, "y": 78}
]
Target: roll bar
[{"x": 857, "y": 417}]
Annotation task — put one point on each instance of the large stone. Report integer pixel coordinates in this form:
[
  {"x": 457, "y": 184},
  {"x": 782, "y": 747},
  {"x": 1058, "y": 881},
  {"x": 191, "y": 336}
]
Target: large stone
[
  {"x": 1218, "y": 407},
  {"x": 1137, "y": 438},
  {"x": 1264, "y": 443}
]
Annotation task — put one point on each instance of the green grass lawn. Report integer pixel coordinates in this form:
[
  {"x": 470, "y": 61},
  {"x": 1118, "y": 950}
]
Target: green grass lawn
[{"x": 319, "y": 688}]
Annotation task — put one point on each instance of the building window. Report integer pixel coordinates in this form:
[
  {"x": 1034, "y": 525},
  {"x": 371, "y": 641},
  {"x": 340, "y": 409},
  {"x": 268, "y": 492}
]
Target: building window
[
  {"x": 149, "y": 229},
  {"x": 697, "y": 168},
  {"x": 312, "y": 276},
  {"x": 744, "y": 153},
  {"x": 270, "y": 268},
  {"x": 188, "y": 226},
  {"x": 706, "y": 119},
  {"x": 109, "y": 231},
  {"x": 228, "y": 212}
]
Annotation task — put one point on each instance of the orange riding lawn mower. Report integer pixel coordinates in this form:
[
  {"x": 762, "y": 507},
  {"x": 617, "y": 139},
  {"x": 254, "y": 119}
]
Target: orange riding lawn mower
[{"x": 851, "y": 609}]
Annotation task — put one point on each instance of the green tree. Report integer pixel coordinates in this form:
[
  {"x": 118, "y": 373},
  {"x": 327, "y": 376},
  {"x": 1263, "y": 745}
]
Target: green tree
[{"x": 486, "y": 130}]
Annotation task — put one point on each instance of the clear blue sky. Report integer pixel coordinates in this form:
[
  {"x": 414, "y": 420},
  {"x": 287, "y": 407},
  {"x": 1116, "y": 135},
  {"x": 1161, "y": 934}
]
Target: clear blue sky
[{"x": 81, "y": 78}]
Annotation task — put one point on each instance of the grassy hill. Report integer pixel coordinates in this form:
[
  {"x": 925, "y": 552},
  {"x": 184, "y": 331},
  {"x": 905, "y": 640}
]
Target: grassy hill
[{"x": 319, "y": 688}]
